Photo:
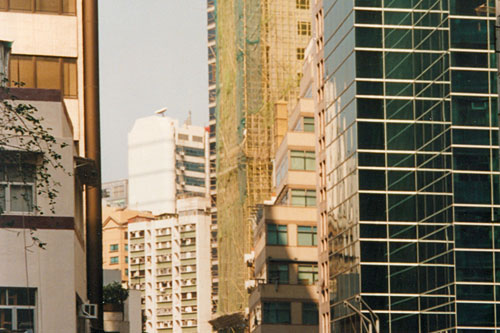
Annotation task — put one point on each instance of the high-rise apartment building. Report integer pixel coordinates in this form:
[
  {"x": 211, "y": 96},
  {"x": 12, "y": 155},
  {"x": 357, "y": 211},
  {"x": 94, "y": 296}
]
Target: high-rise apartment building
[
  {"x": 407, "y": 148},
  {"x": 115, "y": 223},
  {"x": 177, "y": 163},
  {"x": 284, "y": 262},
  {"x": 212, "y": 80},
  {"x": 169, "y": 260},
  {"x": 115, "y": 193},
  {"x": 54, "y": 55},
  {"x": 260, "y": 48}
]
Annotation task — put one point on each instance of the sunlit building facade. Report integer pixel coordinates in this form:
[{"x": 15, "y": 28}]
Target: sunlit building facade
[
  {"x": 212, "y": 74},
  {"x": 408, "y": 175},
  {"x": 49, "y": 266},
  {"x": 170, "y": 264}
]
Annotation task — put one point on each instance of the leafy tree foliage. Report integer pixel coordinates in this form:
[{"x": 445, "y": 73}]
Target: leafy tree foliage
[
  {"x": 29, "y": 147},
  {"x": 27, "y": 144},
  {"x": 114, "y": 293}
]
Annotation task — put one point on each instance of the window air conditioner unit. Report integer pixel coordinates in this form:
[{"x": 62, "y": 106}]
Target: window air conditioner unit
[
  {"x": 249, "y": 258},
  {"x": 88, "y": 311},
  {"x": 250, "y": 285}
]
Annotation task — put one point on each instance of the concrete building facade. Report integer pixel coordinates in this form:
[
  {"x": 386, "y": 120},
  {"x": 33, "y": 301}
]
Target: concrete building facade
[
  {"x": 43, "y": 290},
  {"x": 170, "y": 263},
  {"x": 115, "y": 193},
  {"x": 212, "y": 122},
  {"x": 115, "y": 223},
  {"x": 284, "y": 263},
  {"x": 177, "y": 163}
]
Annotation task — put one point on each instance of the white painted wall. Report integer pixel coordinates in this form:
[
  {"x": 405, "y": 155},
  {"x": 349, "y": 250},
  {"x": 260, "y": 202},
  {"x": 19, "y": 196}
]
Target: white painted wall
[
  {"x": 151, "y": 165},
  {"x": 40, "y": 34}
]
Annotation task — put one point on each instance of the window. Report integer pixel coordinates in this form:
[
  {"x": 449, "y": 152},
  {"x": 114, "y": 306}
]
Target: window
[
  {"x": 193, "y": 181},
  {"x": 125, "y": 235},
  {"x": 17, "y": 308},
  {"x": 126, "y": 247},
  {"x": 308, "y": 274},
  {"x": 184, "y": 137},
  {"x": 45, "y": 6},
  {"x": 300, "y": 53},
  {"x": 307, "y": 236},
  {"x": 126, "y": 259},
  {"x": 45, "y": 73},
  {"x": 309, "y": 124},
  {"x": 310, "y": 314},
  {"x": 277, "y": 313},
  {"x": 277, "y": 234},
  {"x": 304, "y": 28},
  {"x": 303, "y": 160},
  {"x": 191, "y": 151},
  {"x": 114, "y": 260},
  {"x": 113, "y": 247},
  {"x": 302, "y": 4},
  {"x": 17, "y": 183},
  {"x": 126, "y": 271},
  {"x": 281, "y": 171},
  {"x": 190, "y": 166},
  {"x": 278, "y": 273},
  {"x": 303, "y": 197}
]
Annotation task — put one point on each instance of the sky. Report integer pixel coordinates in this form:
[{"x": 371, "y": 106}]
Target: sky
[{"x": 152, "y": 54}]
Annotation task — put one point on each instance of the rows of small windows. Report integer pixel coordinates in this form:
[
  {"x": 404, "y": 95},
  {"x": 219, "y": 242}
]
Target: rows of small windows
[
  {"x": 185, "y": 137},
  {"x": 304, "y": 28},
  {"x": 302, "y": 4},
  {"x": 279, "y": 273},
  {"x": 277, "y": 234},
  {"x": 190, "y": 151},
  {"x": 67, "y": 7},
  {"x": 280, "y": 313},
  {"x": 116, "y": 247},
  {"x": 190, "y": 181},
  {"x": 116, "y": 260},
  {"x": 190, "y": 166},
  {"x": 45, "y": 73}
]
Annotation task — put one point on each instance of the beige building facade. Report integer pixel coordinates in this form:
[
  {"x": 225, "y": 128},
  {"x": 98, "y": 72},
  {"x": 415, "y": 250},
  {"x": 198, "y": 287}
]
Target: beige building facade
[
  {"x": 170, "y": 264},
  {"x": 115, "y": 223},
  {"x": 43, "y": 289},
  {"x": 284, "y": 268}
]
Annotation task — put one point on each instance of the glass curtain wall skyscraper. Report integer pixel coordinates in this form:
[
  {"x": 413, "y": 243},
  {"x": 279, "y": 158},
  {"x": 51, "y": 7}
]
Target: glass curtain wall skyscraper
[{"x": 408, "y": 164}]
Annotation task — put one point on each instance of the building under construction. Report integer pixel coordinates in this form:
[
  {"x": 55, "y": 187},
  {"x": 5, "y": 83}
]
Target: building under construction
[{"x": 260, "y": 50}]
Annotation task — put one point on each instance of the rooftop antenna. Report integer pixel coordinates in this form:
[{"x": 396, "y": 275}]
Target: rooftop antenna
[
  {"x": 188, "y": 120},
  {"x": 161, "y": 112}
]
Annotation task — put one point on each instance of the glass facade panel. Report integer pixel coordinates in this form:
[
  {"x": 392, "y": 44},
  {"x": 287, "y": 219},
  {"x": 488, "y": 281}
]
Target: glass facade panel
[
  {"x": 277, "y": 313},
  {"x": 277, "y": 234},
  {"x": 422, "y": 189}
]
